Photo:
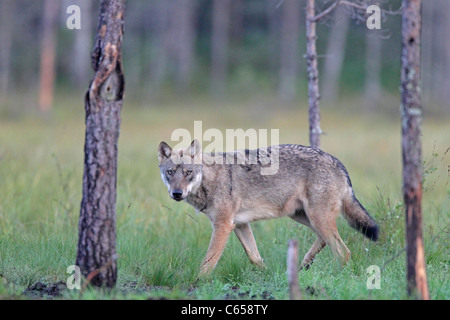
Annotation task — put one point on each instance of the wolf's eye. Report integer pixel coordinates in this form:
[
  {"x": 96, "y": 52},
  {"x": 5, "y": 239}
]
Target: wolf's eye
[
  {"x": 170, "y": 172},
  {"x": 188, "y": 172}
]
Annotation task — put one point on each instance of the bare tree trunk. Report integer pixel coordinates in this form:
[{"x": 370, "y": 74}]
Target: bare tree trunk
[
  {"x": 428, "y": 34},
  {"x": 335, "y": 55},
  {"x": 441, "y": 53},
  {"x": 159, "y": 10},
  {"x": 237, "y": 27},
  {"x": 219, "y": 51},
  {"x": 313, "y": 76},
  {"x": 292, "y": 270},
  {"x": 289, "y": 50},
  {"x": 446, "y": 42},
  {"x": 173, "y": 42},
  {"x": 372, "y": 93},
  {"x": 82, "y": 45},
  {"x": 96, "y": 254},
  {"x": 411, "y": 148},
  {"x": 273, "y": 17},
  {"x": 6, "y": 29},
  {"x": 48, "y": 54},
  {"x": 183, "y": 20}
]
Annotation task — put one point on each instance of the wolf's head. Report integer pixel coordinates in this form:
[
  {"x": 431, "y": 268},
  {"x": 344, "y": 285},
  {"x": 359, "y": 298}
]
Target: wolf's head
[{"x": 181, "y": 170}]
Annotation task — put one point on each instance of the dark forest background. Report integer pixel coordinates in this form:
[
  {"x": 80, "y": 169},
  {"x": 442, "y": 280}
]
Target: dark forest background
[{"x": 227, "y": 49}]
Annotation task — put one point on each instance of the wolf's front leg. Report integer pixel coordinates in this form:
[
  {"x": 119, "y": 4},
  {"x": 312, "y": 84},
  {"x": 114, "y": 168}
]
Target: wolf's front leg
[
  {"x": 245, "y": 236},
  {"x": 219, "y": 238}
]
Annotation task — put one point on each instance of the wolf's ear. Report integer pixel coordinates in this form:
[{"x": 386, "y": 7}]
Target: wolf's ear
[
  {"x": 195, "y": 149},
  {"x": 164, "y": 152}
]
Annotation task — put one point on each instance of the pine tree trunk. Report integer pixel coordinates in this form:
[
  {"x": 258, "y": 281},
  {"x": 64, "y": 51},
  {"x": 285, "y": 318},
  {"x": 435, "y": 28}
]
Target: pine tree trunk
[
  {"x": 219, "y": 50},
  {"x": 237, "y": 27},
  {"x": 48, "y": 54},
  {"x": 372, "y": 92},
  {"x": 82, "y": 45},
  {"x": 6, "y": 30},
  {"x": 96, "y": 255},
  {"x": 411, "y": 148},
  {"x": 429, "y": 27},
  {"x": 289, "y": 50},
  {"x": 161, "y": 44},
  {"x": 442, "y": 53},
  {"x": 292, "y": 270},
  {"x": 313, "y": 76},
  {"x": 335, "y": 56},
  {"x": 273, "y": 24},
  {"x": 183, "y": 19}
]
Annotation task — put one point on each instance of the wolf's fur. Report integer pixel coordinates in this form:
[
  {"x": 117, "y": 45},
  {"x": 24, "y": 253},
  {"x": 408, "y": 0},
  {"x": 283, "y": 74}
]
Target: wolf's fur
[{"x": 311, "y": 186}]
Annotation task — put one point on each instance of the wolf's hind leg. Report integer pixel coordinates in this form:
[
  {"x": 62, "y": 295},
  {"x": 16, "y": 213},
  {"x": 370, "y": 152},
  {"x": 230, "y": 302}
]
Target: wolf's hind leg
[
  {"x": 323, "y": 222},
  {"x": 301, "y": 217},
  {"x": 245, "y": 236},
  {"x": 315, "y": 249}
]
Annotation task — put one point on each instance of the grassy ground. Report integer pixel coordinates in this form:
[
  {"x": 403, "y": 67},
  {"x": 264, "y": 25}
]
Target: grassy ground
[{"x": 161, "y": 243}]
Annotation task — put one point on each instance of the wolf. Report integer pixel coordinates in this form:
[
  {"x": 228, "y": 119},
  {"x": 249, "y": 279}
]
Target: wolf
[{"x": 310, "y": 186}]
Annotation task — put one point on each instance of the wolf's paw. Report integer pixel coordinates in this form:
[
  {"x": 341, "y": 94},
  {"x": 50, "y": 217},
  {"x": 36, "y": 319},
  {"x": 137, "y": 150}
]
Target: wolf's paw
[{"x": 260, "y": 263}]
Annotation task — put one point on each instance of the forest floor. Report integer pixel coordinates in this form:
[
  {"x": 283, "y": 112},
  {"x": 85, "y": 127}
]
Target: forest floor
[{"x": 161, "y": 243}]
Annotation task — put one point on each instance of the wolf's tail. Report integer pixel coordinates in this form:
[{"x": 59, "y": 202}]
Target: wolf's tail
[{"x": 358, "y": 217}]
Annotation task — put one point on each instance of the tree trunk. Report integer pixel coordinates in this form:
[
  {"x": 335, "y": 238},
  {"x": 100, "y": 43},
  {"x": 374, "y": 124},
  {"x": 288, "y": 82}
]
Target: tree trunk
[
  {"x": 237, "y": 27},
  {"x": 48, "y": 54},
  {"x": 161, "y": 42},
  {"x": 82, "y": 45},
  {"x": 313, "y": 76},
  {"x": 429, "y": 26},
  {"x": 292, "y": 270},
  {"x": 6, "y": 29},
  {"x": 219, "y": 50},
  {"x": 446, "y": 42},
  {"x": 441, "y": 53},
  {"x": 335, "y": 55},
  {"x": 96, "y": 253},
  {"x": 411, "y": 148},
  {"x": 273, "y": 21},
  {"x": 183, "y": 19},
  {"x": 289, "y": 50},
  {"x": 372, "y": 92}
]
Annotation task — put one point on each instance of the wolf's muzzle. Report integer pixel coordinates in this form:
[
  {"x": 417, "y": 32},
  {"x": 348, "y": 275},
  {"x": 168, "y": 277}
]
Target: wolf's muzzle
[{"x": 177, "y": 195}]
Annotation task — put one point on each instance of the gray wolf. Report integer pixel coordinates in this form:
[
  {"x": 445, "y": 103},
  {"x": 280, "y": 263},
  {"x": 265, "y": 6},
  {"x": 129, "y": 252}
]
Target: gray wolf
[{"x": 311, "y": 187}]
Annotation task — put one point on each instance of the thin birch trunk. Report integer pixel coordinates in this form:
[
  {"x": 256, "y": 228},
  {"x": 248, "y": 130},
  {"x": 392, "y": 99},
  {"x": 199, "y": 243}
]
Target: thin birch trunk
[
  {"x": 313, "y": 76},
  {"x": 411, "y": 108}
]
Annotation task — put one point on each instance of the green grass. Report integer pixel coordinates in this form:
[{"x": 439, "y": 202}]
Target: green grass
[{"x": 161, "y": 243}]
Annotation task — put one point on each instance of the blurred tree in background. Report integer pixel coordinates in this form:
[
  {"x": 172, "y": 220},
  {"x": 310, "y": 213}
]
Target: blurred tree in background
[
  {"x": 228, "y": 49},
  {"x": 48, "y": 48}
]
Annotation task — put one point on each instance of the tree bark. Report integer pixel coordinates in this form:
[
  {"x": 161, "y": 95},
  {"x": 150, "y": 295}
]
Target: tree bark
[
  {"x": 161, "y": 44},
  {"x": 82, "y": 45},
  {"x": 96, "y": 252},
  {"x": 335, "y": 55},
  {"x": 429, "y": 26},
  {"x": 48, "y": 54},
  {"x": 237, "y": 28},
  {"x": 372, "y": 92},
  {"x": 219, "y": 47},
  {"x": 313, "y": 76},
  {"x": 292, "y": 270},
  {"x": 289, "y": 50},
  {"x": 6, "y": 29},
  {"x": 441, "y": 53},
  {"x": 273, "y": 21},
  {"x": 411, "y": 109},
  {"x": 183, "y": 19}
]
